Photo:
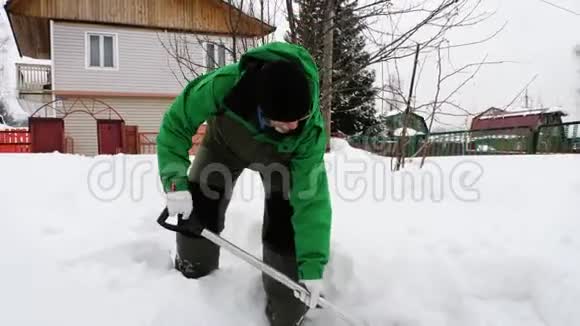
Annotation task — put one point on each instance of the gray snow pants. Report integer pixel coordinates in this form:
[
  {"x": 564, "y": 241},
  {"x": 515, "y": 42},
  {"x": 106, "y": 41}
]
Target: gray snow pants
[{"x": 226, "y": 151}]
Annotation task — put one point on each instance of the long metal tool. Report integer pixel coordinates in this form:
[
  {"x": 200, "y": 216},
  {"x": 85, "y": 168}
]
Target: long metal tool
[{"x": 189, "y": 230}]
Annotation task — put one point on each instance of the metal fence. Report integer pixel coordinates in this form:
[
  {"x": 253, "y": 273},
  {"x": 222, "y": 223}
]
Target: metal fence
[
  {"x": 14, "y": 141},
  {"x": 560, "y": 138},
  {"x": 148, "y": 141},
  {"x": 547, "y": 139}
]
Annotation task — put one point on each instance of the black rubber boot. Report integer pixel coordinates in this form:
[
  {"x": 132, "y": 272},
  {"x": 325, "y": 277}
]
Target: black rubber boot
[
  {"x": 196, "y": 257},
  {"x": 282, "y": 308}
]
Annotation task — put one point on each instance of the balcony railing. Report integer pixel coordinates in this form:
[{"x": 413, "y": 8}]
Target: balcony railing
[{"x": 33, "y": 78}]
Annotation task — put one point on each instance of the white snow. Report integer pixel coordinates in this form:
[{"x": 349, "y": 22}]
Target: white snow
[
  {"x": 8, "y": 57},
  {"x": 408, "y": 132},
  {"x": 34, "y": 61},
  {"x": 392, "y": 113},
  {"x": 490, "y": 241},
  {"x": 524, "y": 112},
  {"x": 7, "y": 127}
]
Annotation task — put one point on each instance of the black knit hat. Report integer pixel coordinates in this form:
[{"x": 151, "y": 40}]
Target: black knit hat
[{"x": 283, "y": 92}]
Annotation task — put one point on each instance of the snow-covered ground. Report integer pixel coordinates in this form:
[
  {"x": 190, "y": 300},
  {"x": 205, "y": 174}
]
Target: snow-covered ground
[{"x": 490, "y": 241}]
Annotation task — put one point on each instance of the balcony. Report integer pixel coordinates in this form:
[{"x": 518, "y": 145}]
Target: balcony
[{"x": 33, "y": 78}]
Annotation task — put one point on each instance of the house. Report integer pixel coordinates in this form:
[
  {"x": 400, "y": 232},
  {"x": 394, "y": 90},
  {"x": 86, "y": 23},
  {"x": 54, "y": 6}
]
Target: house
[
  {"x": 395, "y": 120},
  {"x": 518, "y": 131},
  {"x": 116, "y": 65},
  {"x": 493, "y": 118},
  {"x": 384, "y": 138}
]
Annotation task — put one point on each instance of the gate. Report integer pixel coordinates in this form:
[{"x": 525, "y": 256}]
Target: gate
[
  {"x": 47, "y": 135},
  {"x": 131, "y": 140},
  {"x": 110, "y": 136},
  {"x": 110, "y": 132}
]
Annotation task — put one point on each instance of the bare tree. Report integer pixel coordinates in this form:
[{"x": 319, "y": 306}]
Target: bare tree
[
  {"x": 291, "y": 21},
  {"x": 577, "y": 52},
  {"x": 327, "y": 67},
  {"x": 394, "y": 30},
  {"x": 3, "y": 50},
  {"x": 184, "y": 49}
]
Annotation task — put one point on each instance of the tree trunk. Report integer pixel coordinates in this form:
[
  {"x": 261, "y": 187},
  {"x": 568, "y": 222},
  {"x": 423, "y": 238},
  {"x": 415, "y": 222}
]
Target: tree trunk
[
  {"x": 403, "y": 139},
  {"x": 262, "y": 20},
  {"x": 326, "y": 91},
  {"x": 291, "y": 22}
]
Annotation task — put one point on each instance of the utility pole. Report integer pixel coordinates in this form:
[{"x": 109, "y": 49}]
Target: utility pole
[
  {"x": 328, "y": 44},
  {"x": 403, "y": 139},
  {"x": 527, "y": 99}
]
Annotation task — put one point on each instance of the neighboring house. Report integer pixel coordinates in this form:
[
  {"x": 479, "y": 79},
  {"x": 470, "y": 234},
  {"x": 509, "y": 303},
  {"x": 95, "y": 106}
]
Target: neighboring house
[
  {"x": 496, "y": 130},
  {"x": 109, "y": 59},
  {"x": 530, "y": 118},
  {"x": 395, "y": 121}
]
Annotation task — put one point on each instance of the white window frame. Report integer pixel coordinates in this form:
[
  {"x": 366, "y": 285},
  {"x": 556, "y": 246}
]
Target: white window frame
[
  {"x": 115, "y": 37},
  {"x": 221, "y": 46},
  {"x": 216, "y": 50},
  {"x": 206, "y": 51}
]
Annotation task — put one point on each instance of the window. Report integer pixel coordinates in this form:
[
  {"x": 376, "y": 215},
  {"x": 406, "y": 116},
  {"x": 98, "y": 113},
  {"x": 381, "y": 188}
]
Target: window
[
  {"x": 210, "y": 56},
  {"x": 101, "y": 51},
  {"x": 222, "y": 55},
  {"x": 212, "y": 51}
]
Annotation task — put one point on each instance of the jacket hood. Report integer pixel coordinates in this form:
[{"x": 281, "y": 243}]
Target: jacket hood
[{"x": 287, "y": 51}]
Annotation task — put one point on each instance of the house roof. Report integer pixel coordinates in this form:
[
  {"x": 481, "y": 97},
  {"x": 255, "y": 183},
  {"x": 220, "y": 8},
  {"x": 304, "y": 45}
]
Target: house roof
[
  {"x": 30, "y": 19},
  {"x": 395, "y": 120},
  {"x": 525, "y": 117},
  {"x": 495, "y": 113}
]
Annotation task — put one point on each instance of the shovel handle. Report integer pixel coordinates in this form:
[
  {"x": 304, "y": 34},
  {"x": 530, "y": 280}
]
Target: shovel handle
[
  {"x": 190, "y": 229},
  {"x": 187, "y": 229}
]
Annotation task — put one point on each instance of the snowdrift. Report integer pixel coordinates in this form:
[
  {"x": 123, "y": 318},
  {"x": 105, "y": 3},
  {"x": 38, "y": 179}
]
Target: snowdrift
[{"x": 464, "y": 241}]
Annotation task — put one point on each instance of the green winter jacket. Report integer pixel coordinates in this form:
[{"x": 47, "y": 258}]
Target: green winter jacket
[{"x": 309, "y": 194}]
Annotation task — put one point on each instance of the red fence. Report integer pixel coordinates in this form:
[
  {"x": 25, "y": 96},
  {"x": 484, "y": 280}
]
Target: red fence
[
  {"x": 14, "y": 141},
  {"x": 19, "y": 141},
  {"x": 148, "y": 141}
]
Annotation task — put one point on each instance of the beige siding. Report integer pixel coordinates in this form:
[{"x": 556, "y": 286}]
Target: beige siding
[
  {"x": 141, "y": 112},
  {"x": 82, "y": 128},
  {"x": 144, "y": 65},
  {"x": 145, "y": 113}
]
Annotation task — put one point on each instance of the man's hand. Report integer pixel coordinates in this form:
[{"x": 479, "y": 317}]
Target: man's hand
[
  {"x": 314, "y": 287},
  {"x": 179, "y": 202}
]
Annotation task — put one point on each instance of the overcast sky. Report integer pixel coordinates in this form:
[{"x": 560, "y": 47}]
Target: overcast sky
[{"x": 538, "y": 37}]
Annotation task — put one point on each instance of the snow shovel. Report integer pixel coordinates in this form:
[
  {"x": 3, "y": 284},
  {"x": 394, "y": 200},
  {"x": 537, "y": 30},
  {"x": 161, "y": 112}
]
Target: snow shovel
[{"x": 196, "y": 230}]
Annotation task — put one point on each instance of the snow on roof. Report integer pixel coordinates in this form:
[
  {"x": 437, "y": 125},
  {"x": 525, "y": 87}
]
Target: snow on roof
[
  {"x": 28, "y": 60},
  {"x": 409, "y": 132},
  {"x": 392, "y": 113},
  {"x": 7, "y": 127},
  {"x": 4, "y": 127},
  {"x": 522, "y": 112}
]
